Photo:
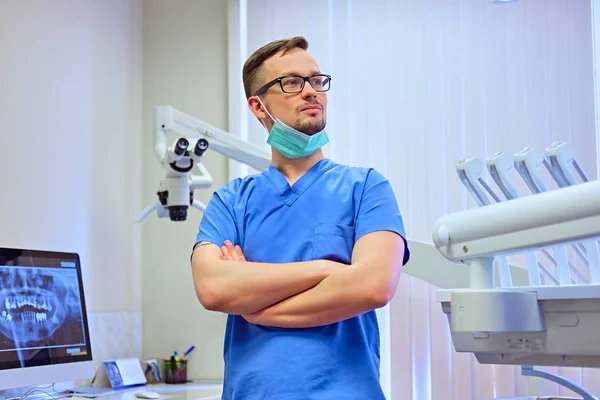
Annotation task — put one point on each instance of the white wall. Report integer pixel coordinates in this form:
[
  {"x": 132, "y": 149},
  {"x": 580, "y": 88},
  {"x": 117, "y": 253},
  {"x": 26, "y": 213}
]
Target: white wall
[
  {"x": 70, "y": 79},
  {"x": 185, "y": 66}
]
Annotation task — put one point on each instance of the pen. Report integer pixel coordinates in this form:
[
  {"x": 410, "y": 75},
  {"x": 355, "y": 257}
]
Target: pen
[{"x": 188, "y": 351}]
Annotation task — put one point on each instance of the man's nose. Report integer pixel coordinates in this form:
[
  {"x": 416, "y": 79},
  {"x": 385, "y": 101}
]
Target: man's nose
[{"x": 308, "y": 91}]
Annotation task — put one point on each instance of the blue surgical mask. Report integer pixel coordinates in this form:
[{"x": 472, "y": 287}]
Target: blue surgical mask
[{"x": 291, "y": 142}]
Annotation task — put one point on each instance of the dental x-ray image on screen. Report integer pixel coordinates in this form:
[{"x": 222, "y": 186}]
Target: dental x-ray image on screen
[
  {"x": 39, "y": 307},
  {"x": 44, "y": 335}
]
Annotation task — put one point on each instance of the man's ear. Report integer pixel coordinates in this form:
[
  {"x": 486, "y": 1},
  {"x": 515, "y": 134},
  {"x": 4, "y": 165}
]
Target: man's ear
[{"x": 256, "y": 108}]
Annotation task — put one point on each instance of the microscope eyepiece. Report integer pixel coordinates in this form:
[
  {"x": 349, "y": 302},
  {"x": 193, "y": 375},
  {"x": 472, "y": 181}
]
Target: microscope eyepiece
[
  {"x": 181, "y": 147},
  {"x": 201, "y": 146}
]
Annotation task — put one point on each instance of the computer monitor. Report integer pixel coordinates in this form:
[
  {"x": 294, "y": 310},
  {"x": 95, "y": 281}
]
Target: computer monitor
[{"x": 44, "y": 335}]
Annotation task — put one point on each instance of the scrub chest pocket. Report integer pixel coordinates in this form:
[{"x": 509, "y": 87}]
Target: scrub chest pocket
[{"x": 333, "y": 242}]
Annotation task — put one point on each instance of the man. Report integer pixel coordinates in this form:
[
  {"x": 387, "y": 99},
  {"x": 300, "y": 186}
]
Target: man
[{"x": 302, "y": 254}]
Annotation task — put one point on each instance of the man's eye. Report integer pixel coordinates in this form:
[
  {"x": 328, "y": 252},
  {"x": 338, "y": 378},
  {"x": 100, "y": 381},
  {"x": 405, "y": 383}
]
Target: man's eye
[{"x": 291, "y": 82}]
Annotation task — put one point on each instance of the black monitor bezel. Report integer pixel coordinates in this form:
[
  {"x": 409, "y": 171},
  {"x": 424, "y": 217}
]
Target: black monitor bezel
[{"x": 63, "y": 256}]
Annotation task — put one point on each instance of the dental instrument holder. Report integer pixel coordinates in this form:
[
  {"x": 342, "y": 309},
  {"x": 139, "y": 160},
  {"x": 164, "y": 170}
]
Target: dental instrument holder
[
  {"x": 514, "y": 311},
  {"x": 175, "y": 371}
]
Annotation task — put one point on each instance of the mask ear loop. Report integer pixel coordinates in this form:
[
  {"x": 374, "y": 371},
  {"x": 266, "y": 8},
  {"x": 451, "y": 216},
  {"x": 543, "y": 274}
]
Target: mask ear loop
[{"x": 265, "y": 108}]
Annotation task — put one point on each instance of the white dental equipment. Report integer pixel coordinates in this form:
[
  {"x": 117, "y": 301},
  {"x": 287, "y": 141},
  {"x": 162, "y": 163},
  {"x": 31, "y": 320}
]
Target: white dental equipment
[
  {"x": 561, "y": 161},
  {"x": 176, "y": 191},
  {"x": 470, "y": 173},
  {"x": 528, "y": 161},
  {"x": 532, "y": 325},
  {"x": 500, "y": 165}
]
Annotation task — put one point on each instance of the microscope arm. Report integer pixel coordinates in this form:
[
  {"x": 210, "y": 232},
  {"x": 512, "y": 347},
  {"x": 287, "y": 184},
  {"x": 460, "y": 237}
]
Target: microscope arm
[
  {"x": 168, "y": 119},
  {"x": 157, "y": 205},
  {"x": 203, "y": 181},
  {"x": 198, "y": 205},
  {"x": 176, "y": 189}
]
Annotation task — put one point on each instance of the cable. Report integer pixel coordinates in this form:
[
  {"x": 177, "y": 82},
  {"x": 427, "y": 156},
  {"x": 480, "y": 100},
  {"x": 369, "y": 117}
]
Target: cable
[{"x": 40, "y": 389}]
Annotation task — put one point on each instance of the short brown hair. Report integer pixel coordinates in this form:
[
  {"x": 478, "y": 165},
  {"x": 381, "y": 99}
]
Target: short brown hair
[{"x": 252, "y": 66}]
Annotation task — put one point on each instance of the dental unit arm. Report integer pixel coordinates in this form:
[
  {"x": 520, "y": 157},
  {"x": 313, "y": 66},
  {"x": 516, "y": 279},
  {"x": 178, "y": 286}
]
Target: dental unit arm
[
  {"x": 532, "y": 325},
  {"x": 176, "y": 190},
  {"x": 546, "y": 219}
]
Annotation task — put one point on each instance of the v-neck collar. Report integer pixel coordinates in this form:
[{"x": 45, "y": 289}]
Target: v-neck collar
[{"x": 289, "y": 194}]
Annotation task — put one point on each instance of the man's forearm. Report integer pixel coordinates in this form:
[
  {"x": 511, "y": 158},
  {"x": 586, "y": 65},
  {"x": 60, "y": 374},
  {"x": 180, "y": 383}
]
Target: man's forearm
[
  {"x": 344, "y": 294},
  {"x": 240, "y": 287},
  {"x": 368, "y": 283}
]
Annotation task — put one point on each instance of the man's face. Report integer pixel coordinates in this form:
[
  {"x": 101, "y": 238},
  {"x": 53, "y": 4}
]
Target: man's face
[{"x": 305, "y": 111}]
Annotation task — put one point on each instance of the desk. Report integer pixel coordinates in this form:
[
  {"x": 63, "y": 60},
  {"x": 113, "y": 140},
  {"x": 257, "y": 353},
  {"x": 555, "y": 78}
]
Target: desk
[{"x": 188, "y": 391}]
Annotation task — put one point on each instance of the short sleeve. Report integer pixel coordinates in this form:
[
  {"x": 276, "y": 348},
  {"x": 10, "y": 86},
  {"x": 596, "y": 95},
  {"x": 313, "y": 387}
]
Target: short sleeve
[
  {"x": 378, "y": 210},
  {"x": 218, "y": 222}
]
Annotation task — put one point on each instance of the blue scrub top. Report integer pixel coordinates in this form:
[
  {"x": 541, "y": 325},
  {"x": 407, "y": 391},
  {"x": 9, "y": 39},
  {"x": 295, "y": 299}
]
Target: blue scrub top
[{"x": 320, "y": 216}]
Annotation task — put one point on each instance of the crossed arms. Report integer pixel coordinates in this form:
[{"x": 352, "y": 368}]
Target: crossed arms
[{"x": 301, "y": 294}]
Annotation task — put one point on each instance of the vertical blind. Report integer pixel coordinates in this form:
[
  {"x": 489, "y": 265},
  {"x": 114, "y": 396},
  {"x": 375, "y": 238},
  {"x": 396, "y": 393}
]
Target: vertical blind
[{"x": 418, "y": 85}]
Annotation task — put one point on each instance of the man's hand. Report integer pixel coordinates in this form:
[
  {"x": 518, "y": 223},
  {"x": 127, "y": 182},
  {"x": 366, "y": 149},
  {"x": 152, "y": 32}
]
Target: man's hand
[{"x": 231, "y": 253}]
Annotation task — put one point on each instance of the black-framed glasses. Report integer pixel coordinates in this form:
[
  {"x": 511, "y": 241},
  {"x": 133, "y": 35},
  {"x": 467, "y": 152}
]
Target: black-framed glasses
[{"x": 295, "y": 83}]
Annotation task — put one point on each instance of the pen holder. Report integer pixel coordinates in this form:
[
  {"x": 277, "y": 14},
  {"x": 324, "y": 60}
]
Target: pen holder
[{"x": 175, "y": 372}]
